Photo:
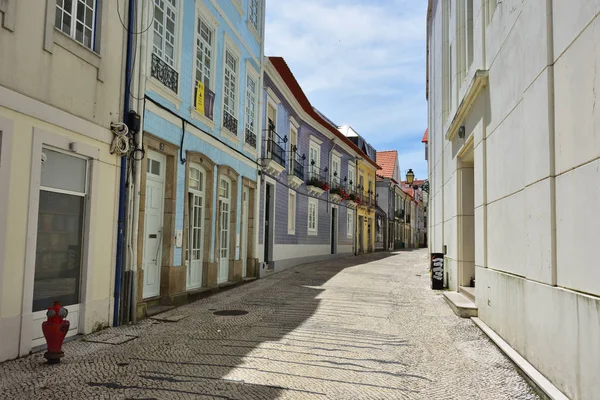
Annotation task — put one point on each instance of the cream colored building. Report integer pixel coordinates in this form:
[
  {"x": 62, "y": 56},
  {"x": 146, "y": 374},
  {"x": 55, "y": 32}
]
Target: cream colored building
[
  {"x": 60, "y": 89},
  {"x": 514, "y": 165}
]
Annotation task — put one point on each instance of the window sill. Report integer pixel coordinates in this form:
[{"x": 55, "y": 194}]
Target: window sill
[
  {"x": 202, "y": 118},
  {"x": 250, "y": 149},
  {"x": 225, "y": 133},
  {"x": 312, "y": 233},
  {"x": 77, "y": 49},
  {"x": 157, "y": 87},
  {"x": 291, "y": 232},
  {"x": 254, "y": 31}
]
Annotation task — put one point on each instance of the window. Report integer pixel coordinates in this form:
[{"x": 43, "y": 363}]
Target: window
[
  {"x": 313, "y": 216},
  {"x": 351, "y": 175},
  {"x": 314, "y": 159},
  {"x": 77, "y": 18},
  {"x": 469, "y": 33},
  {"x": 205, "y": 56},
  {"x": 229, "y": 92},
  {"x": 250, "y": 111},
  {"x": 349, "y": 223},
  {"x": 165, "y": 28},
  {"x": 59, "y": 249},
  {"x": 195, "y": 235},
  {"x": 335, "y": 170},
  {"x": 292, "y": 213},
  {"x": 255, "y": 14}
]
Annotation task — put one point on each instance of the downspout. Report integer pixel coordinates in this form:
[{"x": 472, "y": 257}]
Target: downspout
[
  {"x": 141, "y": 106},
  {"x": 123, "y": 172},
  {"x": 259, "y": 140}
]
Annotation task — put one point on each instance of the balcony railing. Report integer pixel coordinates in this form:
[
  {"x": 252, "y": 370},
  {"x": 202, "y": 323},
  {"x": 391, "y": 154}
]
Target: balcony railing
[
  {"x": 250, "y": 138},
  {"x": 296, "y": 164},
  {"x": 230, "y": 122},
  {"x": 274, "y": 147},
  {"x": 164, "y": 73},
  {"x": 317, "y": 174}
]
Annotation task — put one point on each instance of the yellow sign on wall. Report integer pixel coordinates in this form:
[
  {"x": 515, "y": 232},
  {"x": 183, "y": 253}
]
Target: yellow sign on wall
[{"x": 200, "y": 98}]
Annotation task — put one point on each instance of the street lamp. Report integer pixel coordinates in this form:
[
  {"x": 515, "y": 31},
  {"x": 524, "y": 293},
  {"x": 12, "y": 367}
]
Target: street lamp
[{"x": 410, "y": 177}]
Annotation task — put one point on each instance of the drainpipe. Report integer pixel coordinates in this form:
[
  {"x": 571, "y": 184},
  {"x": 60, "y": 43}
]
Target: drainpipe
[
  {"x": 141, "y": 106},
  {"x": 123, "y": 172}
]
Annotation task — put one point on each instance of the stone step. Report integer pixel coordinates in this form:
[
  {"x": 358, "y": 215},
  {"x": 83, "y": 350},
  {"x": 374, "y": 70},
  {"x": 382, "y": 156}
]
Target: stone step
[
  {"x": 468, "y": 292},
  {"x": 460, "y": 304},
  {"x": 154, "y": 310}
]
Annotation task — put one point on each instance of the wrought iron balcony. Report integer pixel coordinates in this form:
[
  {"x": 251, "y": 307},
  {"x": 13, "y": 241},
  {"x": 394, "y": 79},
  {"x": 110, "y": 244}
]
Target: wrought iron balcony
[
  {"x": 317, "y": 174},
  {"x": 275, "y": 147},
  {"x": 250, "y": 138},
  {"x": 296, "y": 164},
  {"x": 164, "y": 73},
  {"x": 230, "y": 122}
]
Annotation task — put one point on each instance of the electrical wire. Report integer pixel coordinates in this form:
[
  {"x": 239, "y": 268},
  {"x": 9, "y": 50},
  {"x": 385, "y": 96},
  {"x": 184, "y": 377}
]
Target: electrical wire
[
  {"x": 126, "y": 28},
  {"x": 120, "y": 143}
]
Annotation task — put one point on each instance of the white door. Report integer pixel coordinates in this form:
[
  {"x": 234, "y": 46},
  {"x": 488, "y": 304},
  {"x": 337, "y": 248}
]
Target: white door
[
  {"x": 153, "y": 234},
  {"x": 244, "y": 244},
  {"x": 195, "y": 227},
  {"x": 224, "y": 201}
]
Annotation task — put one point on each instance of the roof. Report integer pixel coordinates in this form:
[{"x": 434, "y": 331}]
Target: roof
[
  {"x": 387, "y": 160},
  {"x": 288, "y": 77},
  {"x": 425, "y": 136}
]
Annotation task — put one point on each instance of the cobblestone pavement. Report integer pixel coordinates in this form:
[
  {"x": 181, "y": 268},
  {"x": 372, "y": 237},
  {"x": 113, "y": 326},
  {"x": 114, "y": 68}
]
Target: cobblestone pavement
[{"x": 363, "y": 327}]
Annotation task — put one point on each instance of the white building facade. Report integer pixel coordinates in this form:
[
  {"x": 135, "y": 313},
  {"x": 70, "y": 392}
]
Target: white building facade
[{"x": 514, "y": 166}]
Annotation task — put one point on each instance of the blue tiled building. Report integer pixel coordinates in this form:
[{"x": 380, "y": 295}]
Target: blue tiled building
[
  {"x": 198, "y": 192},
  {"x": 308, "y": 168}
]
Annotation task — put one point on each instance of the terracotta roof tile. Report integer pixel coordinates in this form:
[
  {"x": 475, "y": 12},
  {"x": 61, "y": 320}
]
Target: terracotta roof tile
[
  {"x": 425, "y": 136},
  {"x": 387, "y": 161},
  {"x": 288, "y": 77}
]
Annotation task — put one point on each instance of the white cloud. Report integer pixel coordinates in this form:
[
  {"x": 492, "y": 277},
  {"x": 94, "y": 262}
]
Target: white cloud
[{"x": 359, "y": 62}]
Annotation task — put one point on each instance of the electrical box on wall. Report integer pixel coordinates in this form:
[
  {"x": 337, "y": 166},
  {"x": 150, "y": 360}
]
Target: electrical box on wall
[{"x": 178, "y": 238}]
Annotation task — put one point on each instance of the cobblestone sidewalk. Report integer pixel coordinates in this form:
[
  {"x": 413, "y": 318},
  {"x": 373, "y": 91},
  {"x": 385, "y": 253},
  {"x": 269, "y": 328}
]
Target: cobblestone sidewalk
[{"x": 355, "y": 328}]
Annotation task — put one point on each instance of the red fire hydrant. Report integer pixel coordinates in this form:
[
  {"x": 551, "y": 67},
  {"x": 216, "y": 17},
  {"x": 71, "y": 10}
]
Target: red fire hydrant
[{"x": 55, "y": 329}]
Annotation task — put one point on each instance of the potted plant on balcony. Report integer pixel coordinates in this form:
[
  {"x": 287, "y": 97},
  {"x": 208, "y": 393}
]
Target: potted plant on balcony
[
  {"x": 335, "y": 194},
  {"x": 317, "y": 186}
]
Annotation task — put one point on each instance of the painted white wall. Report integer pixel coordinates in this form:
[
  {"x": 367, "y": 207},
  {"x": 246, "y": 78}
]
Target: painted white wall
[{"x": 536, "y": 157}]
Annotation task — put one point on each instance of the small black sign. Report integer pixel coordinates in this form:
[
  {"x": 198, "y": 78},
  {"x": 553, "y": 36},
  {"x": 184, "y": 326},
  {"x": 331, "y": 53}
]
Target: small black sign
[{"x": 437, "y": 271}]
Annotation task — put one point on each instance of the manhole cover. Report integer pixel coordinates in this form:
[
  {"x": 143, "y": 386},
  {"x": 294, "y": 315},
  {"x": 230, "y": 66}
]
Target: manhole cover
[{"x": 230, "y": 312}]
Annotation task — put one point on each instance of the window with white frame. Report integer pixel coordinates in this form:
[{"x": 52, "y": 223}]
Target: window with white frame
[
  {"x": 349, "y": 223},
  {"x": 335, "y": 170},
  {"x": 313, "y": 216},
  {"x": 60, "y": 238},
  {"x": 292, "y": 212},
  {"x": 229, "y": 91},
  {"x": 351, "y": 175},
  {"x": 250, "y": 136},
  {"x": 165, "y": 30},
  {"x": 314, "y": 159},
  {"x": 255, "y": 14},
  {"x": 295, "y": 165},
  {"x": 77, "y": 18},
  {"x": 205, "y": 44}
]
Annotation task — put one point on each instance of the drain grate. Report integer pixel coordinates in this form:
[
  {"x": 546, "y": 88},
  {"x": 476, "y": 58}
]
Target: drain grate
[{"x": 229, "y": 313}]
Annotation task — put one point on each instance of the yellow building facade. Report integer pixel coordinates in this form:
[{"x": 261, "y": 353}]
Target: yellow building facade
[{"x": 365, "y": 221}]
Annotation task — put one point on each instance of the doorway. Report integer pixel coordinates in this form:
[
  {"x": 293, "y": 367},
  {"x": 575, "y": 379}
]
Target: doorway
[
  {"x": 224, "y": 217},
  {"x": 244, "y": 229},
  {"x": 334, "y": 230},
  {"x": 153, "y": 225},
  {"x": 195, "y": 227},
  {"x": 268, "y": 229},
  {"x": 466, "y": 225},
  {"x": 361, "y": 222}
]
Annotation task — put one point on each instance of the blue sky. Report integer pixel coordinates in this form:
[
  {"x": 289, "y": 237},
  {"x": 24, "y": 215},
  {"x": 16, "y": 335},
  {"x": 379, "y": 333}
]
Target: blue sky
[{"x": 362, "y": 63}]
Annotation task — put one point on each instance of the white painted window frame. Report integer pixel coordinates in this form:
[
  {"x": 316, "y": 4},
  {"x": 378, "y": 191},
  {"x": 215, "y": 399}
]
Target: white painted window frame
[
  {"x": 313, "y": 202},
  {"x": 335, "y": 156},
  {"x": 351, "y": 176},
  {"x": 292, "y": 212},
  {"x": 251, "y": 73},
  {"x": 229, "y": 45},
  {"x": 255, "y": 28},
  {"x": 206, "y": 16},
  {"x": 314, "y": 145},
  {"x": 349, "y": 223},
  {"x": 75, "y": 4},
  {"x": 42, "y": 139},
  {"x": 6, "y": 138}
]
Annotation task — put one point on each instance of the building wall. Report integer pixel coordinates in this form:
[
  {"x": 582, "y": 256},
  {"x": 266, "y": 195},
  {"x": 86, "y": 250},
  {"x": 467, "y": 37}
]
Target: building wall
[
  {"x": 368, "y": 171},
  {"x": 301, "y": 246},
  {"x": 524, "y": 169},
  {"x": 172, "y": 120},
  {"x": 55, "y": 93}
]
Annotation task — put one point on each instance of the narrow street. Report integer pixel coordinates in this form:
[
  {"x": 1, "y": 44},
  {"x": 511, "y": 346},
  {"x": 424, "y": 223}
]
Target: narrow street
[{"x": 363, "y": 327}]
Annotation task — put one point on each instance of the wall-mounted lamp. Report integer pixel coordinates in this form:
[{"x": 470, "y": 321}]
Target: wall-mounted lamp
[{"x": 461, "y": 132}]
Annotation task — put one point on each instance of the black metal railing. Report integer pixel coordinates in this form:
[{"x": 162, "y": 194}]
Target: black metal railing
[
  {"x": 164, "y": 73},
  {"x": 250, "y": 138},
  {"x": 296, "y": 164},
  {"x": 335, "y": 180},
  {"x": 399, "y": 214},
  {"x": 316, "y": 174},
  {"x": 230, "y": 122},
  {"x": 275, "y": 146}
]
